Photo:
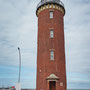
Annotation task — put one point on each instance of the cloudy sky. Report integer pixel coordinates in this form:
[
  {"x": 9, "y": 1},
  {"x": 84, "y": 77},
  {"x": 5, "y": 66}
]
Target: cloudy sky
[{"x": 18, "y": 27}]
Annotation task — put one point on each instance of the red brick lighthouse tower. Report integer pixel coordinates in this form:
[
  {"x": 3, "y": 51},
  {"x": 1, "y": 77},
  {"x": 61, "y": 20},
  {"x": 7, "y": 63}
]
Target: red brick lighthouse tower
[{"x": 51, "y": 70}]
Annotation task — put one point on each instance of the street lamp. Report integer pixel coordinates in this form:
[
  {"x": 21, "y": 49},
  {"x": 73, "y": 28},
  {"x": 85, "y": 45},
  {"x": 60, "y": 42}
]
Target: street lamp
[
  {"x": 19, "y": 65},
  {"x": 18, "y": 85}
]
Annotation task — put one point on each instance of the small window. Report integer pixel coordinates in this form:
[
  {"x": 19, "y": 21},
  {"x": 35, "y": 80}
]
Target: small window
[
  {"x": 51, "y": 55},
  {"x": 51, "y": 33},
  {"x": 51, "y": 14}
]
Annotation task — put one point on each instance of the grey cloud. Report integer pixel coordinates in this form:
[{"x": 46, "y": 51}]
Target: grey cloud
[
  {"x": 77, "y": 34},
  {"x": 18, "y": 27}
]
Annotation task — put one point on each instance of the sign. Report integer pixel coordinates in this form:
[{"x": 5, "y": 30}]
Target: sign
[{"x": 18, "y": 86}]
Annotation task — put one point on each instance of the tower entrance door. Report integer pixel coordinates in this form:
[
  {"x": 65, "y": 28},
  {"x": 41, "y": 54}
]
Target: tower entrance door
[
  {"x": 52, "y": 80},
  {"x": 52, "y": 85}
]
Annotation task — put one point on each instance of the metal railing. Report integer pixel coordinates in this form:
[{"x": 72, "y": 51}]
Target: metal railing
[{"x": 42, "y": 2}]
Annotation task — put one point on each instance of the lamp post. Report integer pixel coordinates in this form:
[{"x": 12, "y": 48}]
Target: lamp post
[
  {"x": 18, "y": 85},
  {"x": 19, "y": 65}
]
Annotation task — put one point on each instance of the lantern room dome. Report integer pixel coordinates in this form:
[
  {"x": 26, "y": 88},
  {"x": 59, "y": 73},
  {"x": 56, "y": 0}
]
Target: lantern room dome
[{"x": 45, "y": 2}]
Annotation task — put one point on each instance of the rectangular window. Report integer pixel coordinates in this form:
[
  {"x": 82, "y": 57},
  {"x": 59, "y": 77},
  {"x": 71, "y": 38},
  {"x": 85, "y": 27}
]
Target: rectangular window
[
  {"x": 51, "y": 33},
  {"x": 51, "y": 14},
  {"x": 51, "y": 55}
]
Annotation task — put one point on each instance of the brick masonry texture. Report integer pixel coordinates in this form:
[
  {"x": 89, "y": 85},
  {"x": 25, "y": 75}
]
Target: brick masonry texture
[{"x": 45, "y": 66}]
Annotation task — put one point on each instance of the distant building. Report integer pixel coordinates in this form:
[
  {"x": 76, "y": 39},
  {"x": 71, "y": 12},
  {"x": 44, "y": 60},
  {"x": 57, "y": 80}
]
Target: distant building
[{"x": 14, "y": 89}]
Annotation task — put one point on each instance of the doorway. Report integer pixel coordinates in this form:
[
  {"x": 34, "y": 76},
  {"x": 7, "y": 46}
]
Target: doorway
[{"x": 52, "y": 85}]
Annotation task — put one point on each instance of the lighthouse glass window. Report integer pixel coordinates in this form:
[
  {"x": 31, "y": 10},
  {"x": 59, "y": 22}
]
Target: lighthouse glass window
[
  {"x": 51, "y": 55},
  {"x": 51, "y": 14},
  {"x": 51, "y": 34}
]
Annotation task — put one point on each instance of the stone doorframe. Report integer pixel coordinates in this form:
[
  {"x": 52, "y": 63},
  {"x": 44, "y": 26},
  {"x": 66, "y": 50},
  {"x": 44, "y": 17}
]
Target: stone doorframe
[{"x": 50, "y": 78}]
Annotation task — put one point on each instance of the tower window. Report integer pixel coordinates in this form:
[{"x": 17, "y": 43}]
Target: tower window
[
  {"x": 51, "y": 55},
  {"x": 51, "y": 33},
  {"x": 51, "y": 14}
]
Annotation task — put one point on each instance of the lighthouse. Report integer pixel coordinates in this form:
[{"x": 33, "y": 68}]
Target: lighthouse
[{"x": 51, "y": 66}]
